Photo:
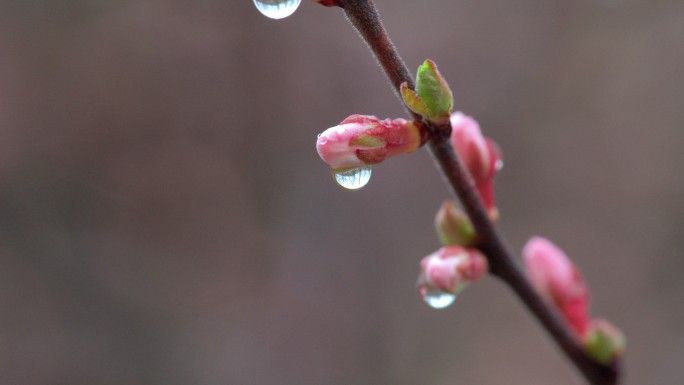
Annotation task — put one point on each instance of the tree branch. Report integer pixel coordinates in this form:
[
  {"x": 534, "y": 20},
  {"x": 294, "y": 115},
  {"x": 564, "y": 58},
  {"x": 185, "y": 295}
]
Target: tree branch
[{"x": 503, "y": 263}]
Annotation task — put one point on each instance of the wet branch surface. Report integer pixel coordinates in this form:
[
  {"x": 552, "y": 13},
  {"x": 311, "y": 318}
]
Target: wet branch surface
[{"x": 503, "y": 263}]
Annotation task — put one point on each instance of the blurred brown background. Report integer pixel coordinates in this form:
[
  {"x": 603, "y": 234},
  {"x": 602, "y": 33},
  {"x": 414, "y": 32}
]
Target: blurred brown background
[{"x": 165, "y": 218}]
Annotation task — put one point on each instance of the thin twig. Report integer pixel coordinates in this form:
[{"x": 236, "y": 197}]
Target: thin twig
[{"x": 503, "y": 263}]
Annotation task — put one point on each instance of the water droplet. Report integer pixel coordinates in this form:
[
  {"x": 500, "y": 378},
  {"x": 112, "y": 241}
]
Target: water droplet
[
  {"x": 438, "y": 299},
  {"x": 354, "y": 178},
  {"x": 499, "y": 164},
  {"x": 277, "y": 9}
]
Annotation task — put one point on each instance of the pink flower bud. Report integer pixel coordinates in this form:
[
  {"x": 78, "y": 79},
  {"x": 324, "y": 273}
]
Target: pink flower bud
[
  {"x": 470, "y": 144},
  {"x": 363, "y": 140},
  {"x": 450, "y": 269},
  {"x": 558, "y": 280},
  {"x": 481, "y": 156}
]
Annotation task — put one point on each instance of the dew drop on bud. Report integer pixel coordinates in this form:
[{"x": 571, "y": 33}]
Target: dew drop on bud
[
  {"x": 354, "y": 178},
  {"x": 438, "y": 299},
  {"x": 499, "y": 164},
  {"x": 277, "y": 9}
]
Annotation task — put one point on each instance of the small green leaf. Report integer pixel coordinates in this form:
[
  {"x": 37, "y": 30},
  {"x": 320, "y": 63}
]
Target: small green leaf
[
  {"x": 604, "y": 342},
  {"x": 434, "y": 91},
  {"x": 453, "y": 226},
  {"x": 413, "y": 101}
]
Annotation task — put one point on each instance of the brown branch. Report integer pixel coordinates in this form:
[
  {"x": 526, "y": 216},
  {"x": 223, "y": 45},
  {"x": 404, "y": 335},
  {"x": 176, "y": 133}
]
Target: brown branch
[{"x": 503, "y": 263}]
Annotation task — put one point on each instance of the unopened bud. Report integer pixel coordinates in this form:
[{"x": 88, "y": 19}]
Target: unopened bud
[
  {"x": 604, "y": 341},
  {"x": 449, "y": 270},
  {"x": 558, "y": 280},
  {"x": 453, "y": 226},
  {"x": 481, "y": 156},
  {"x": 363, "y": 140}
]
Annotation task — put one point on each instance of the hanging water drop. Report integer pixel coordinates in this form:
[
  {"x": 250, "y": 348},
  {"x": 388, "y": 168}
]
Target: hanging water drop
[
  {"x": 438, "y": 299},
  {"x": 277, "y": 9},
  {"x": 354, "y": 178},
  {"x": 499, "y": 164}
]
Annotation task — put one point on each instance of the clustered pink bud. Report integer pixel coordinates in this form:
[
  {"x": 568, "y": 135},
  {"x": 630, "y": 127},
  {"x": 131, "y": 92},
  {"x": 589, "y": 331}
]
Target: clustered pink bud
[
  {"x": 450, "y": 269},
  {"x": 362, "y": 140},
  {"x": 555, "y": 277},
  {"x": 481, "y": 156}
]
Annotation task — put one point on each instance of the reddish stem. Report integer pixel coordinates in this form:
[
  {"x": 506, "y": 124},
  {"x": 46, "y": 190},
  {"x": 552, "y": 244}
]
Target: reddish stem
[{"x": 503, "y": 263}]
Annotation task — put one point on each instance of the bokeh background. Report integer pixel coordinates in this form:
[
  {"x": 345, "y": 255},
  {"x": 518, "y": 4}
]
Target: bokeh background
[{"x": 165, "y": 219}]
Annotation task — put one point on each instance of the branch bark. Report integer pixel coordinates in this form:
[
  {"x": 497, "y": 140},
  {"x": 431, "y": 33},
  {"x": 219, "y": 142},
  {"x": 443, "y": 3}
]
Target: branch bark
[{"x": 503, "y": 263}]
